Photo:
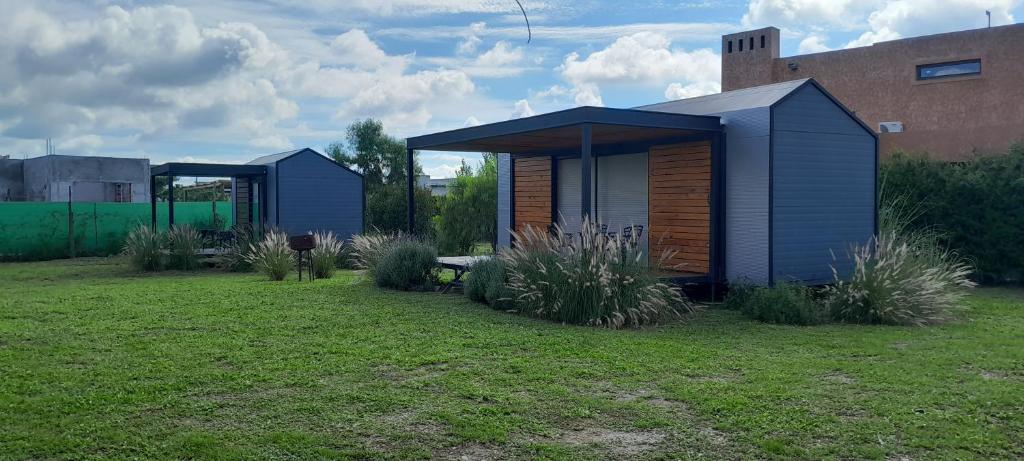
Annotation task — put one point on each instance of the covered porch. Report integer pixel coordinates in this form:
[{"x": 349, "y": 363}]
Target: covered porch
[
  {"x": 248, "y": 189},
  {"x": 656, "y": 171}
]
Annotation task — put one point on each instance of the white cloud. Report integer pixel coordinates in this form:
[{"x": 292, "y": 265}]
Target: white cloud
[
  {"x": 407, "y": 99},
  {"x": 642, "y": 58},
  {"x": 908, "y": 18},
  {"x": 813, "y": 44},
  {"x": 846, "y": 14},
  {"x": 876, "y": 20},
  {"x": 355, "y": 48},
  {"x": 502, "y": 55},
  {"x": 587, "y": 94},
  {"x": 522, "y": 109},
  {"x": 472, "y": 121},
  {"x": 272, "y": 142},
  {"x": 81, "y": 144},
  {"x": 441, "y": 171},
  {"x": 148, "y": 70},
  {"x": 680, "y": 91}
]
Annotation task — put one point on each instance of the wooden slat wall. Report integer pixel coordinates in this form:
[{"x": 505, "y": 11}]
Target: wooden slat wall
[
  {"x": 533, "y": 192},
  {"x": 679, "y": 210}
]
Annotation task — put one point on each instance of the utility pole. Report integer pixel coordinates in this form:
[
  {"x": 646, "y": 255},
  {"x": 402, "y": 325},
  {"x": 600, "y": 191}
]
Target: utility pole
[{"x": 989, "y": 14}]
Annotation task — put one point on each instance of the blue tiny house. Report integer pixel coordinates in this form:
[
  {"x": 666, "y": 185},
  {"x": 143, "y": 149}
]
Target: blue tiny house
[
  {"x": 760, "y": 185},
  {"x": 308, "y": 192}
]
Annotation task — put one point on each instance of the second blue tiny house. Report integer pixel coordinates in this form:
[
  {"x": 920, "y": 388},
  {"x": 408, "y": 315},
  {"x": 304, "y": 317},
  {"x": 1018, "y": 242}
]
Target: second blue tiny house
[{"x": 308, "y": 192}]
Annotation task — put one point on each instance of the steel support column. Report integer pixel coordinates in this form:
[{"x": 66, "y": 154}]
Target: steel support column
[
  {"x": 585, "y": 159},
  {"x": 410, "y": 193},
  {"x": 152, "y": 200},
  {"x": 170, "y": 200}
]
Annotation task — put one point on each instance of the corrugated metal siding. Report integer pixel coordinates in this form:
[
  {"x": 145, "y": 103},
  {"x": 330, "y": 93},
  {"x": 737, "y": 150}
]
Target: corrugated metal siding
[
  {"x": 622, "y": 192},
  {"x": 504, "y": 200},
  {"x": 316, "y": 194},
  {"x": 746, "y": 195},
  {"x": 823, "y": 187},
  {"x": 569, "y": 213}
]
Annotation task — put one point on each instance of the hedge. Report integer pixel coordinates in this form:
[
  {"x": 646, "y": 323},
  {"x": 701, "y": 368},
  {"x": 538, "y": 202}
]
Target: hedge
[{"x": 977, "y": 207}]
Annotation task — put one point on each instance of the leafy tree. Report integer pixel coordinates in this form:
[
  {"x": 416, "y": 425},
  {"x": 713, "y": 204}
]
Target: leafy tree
[
  {"x": 467, "y": 214},
  {"x": 382, "y": 159}
]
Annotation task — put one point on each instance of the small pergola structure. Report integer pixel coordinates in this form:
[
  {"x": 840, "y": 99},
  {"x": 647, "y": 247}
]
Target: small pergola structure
[
  {"x": 243, "y": 177},
  {"x": 586, "y": 133}
]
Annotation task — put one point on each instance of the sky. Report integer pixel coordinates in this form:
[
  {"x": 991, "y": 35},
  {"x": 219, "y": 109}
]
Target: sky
[{"x": 229, "y": 80}]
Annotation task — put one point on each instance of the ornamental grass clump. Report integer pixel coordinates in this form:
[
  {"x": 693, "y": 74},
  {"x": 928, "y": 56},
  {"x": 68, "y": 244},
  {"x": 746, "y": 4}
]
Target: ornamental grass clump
[
  {"x": 369, "y": 249},
  {"x": 594, "y": 280},
  {"x": 272, "y": 256},
  {"x": 236, "y": 252},
  {"x": 324, "y": 257},
  {"x": 897, "y": 283},
  {"x": 183, "y": 244},
  {"x": 144, "y": 247}
]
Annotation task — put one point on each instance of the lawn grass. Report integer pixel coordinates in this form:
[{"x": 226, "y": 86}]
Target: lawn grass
[{"x": 97, "y": 362}]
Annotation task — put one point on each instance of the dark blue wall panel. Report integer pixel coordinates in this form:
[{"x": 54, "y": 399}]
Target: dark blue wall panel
[
  {"x": 823, "y": 187},
  {"x": 315, "y": 194}
]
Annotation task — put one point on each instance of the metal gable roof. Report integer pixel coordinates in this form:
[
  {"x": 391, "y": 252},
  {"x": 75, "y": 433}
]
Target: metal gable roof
[
  {"x": 273, "y": 158},
  {"x": 747, "y": 98}
]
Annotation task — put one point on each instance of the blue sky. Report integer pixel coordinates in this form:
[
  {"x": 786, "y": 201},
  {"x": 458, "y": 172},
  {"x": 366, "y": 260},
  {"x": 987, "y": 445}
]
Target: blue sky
[{"x": 227, "y": 80}]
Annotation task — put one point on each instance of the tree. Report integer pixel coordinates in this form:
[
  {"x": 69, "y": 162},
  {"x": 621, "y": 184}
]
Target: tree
[
  {"x": 467, "y": 214},
  {"x": 375, "y": 154},
  {"x": 382, "y": 160}
]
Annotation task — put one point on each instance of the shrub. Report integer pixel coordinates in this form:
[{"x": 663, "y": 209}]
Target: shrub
[
  {"x": 896, "y": 283},
  {"x": 236, "y": 253},
  {"x": 595, "y": 281},
  {"x": 974, "y": 207},
  {"x": 410, "y": 264},
  {"x": 369, "y": 249},
  {"x": 487, "y": 283},
  {"x": 324, "y": 257},
  {"x": 184, "y": 244},
  {"x": 144, "y": 247},
  {"x": 272, "y": 256},
  {"x": 783, "y": 303}
]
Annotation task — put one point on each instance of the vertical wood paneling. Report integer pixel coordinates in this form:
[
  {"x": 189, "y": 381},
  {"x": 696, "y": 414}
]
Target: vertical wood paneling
[
  {"x": 532, "y": 192},
  {"x": 679, "y": 210}
]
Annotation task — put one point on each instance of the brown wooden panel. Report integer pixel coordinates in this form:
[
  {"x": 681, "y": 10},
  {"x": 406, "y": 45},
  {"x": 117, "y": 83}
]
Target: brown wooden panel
[
  {"x": 679, "y": 182},
  {"x": 533, "y": 192}
]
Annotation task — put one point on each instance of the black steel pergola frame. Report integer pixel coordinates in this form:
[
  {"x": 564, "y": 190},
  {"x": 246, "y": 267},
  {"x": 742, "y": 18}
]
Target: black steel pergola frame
[
  {"x": 691, "y": 128},
  {"x": 252, "y": 173}
]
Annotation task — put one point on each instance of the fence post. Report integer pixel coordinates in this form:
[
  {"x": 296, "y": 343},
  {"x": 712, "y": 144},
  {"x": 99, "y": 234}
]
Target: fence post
[
  {"x": 95, "y": 231},
  {"x": 71, "y": 226}
]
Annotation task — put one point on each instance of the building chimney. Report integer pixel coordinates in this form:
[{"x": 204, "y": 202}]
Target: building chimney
[{"x": 747, "y": 58}]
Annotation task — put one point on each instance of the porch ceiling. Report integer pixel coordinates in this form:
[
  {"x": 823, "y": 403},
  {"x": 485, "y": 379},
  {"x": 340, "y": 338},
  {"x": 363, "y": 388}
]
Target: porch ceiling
[
  {"x": 561, "y": 131},
  {"x": 212, "y": 170}
]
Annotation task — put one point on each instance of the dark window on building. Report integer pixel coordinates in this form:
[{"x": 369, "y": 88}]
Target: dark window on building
[
  {"x": 741, "y": 44},
  {"x": 949, "y": 69},
  {"x": 762, "y": 41},
  {"x": 751, "y": 43},
  {"x": 730, "y": 46}
]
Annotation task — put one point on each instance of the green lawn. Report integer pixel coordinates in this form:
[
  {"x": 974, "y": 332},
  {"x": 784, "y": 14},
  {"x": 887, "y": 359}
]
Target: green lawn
[{"x": 96, "y": 362}]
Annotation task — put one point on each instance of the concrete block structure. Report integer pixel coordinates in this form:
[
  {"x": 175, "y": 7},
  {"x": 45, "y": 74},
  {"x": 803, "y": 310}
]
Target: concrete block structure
[
  {"x": 949, "y": 95},
  {"x": 51, "y": 178}
]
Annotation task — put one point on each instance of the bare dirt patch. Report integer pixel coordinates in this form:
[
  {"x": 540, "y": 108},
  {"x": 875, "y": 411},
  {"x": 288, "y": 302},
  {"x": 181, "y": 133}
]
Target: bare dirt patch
[
  {"x": 472, "y": 452},
  {"x": 838, "y": 377},
  {"x": 617, "y": 442}
]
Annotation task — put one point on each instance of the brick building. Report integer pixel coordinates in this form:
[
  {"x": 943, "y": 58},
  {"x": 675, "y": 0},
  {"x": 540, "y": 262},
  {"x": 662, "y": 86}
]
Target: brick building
[{"x": 947, "y": 94}]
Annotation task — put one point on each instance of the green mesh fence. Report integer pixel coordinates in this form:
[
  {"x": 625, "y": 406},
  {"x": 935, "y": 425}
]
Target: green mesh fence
[{"x": 39, "y": 230}]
